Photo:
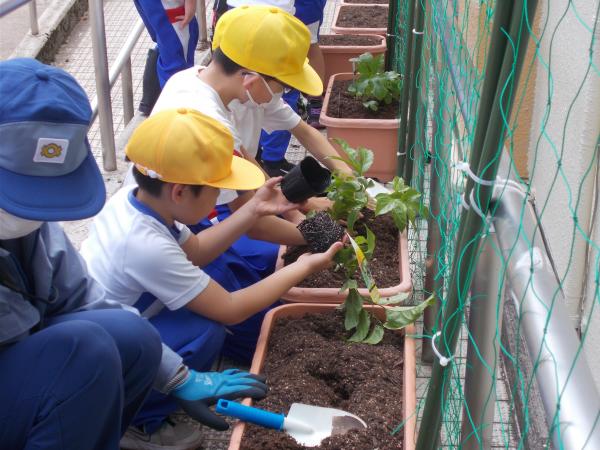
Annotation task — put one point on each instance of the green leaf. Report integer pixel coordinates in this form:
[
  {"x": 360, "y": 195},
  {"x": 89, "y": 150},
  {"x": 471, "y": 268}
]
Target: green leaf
[
  {"x": 394, "y": 299},
  {"x": 375, "y": 336},
  {"x": 384, "y": 204},
  {"x": 362, "y": 329},
  {"x": 370, "y": 243},
  {"x": 351, "y": 220},
  {"x": 398, "y": 317},
  {"x": 353, "y": 307},
  {"x": 349, "y": 284}
]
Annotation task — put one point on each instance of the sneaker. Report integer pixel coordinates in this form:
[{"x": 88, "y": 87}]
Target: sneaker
[
  {"x": 277, "y": 168},
  {"x": 314, "y": 112},
  {"x": 170, "y": 436}
]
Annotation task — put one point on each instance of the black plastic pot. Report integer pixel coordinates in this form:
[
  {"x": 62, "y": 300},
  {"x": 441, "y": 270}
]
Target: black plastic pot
[{"x": 305, "y": 180}]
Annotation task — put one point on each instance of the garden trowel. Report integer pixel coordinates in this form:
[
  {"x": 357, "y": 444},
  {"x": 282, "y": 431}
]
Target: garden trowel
[{"x": 307, "y": 424}]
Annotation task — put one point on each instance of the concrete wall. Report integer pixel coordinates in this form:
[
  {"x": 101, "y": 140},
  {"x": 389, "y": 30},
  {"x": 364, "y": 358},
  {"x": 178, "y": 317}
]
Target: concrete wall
[{"x": 563, "y": 143}]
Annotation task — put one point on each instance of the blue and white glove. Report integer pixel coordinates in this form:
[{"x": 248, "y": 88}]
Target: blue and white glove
[{"x": 200, "y": 390}]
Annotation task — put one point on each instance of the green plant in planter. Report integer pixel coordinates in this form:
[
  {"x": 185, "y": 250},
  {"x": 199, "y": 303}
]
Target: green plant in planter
[
  {"x": 349, "y": 192},
  {"x": 372, "y": 85},
  {"x": 403, "y": 203},
  {"x": 349, "y": 196}
]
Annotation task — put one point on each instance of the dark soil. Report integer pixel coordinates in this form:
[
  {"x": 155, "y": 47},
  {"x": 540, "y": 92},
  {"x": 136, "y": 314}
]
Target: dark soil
[
  {"x": 319, "y": 367},
  {"x": 348, "y": 39},
  {"x": 368, "y": 2},
  {"x": 320, "y": 232},
  {"x": 362, "y": 17},
  {"x": 383, "y": 266},
  {"x": 343, "y": 105}
]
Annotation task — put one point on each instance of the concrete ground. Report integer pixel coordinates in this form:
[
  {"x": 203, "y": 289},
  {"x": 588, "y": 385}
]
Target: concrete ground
[{"x": 15, "y": 26}]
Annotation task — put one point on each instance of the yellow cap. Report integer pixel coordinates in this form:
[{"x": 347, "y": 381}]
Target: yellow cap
[
  {"x": 187, "y": 147},
  {"x": 267, "y": 40}
]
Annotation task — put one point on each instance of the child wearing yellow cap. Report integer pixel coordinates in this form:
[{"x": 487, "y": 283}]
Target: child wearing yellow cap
[{"x": 139, "y": 244}]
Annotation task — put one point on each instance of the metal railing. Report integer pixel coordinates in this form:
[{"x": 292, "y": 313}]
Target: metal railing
[
  {"x": 107, "y": 77},
  {"x": 8, "y": 6}
]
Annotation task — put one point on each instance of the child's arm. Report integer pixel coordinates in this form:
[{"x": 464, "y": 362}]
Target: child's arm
[
  {"x": 210, "y": 243},
  {"x": 217, "y": 304},
  {"x": 319, "y": 147}
]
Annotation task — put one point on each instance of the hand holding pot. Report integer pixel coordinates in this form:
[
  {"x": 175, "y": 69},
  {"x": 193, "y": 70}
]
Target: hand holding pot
[
  {"x": 321, "y": 261},
  {"x": 269, "y": 201}
]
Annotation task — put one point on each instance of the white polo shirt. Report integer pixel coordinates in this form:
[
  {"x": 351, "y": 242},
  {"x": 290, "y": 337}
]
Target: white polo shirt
[
  {"x": 186, "y": 90},
  {"x": 131, "y": 251}
]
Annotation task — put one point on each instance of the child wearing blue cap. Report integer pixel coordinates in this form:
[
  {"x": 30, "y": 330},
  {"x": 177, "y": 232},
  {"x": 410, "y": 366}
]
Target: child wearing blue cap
[{"x": 75, "y": 367}]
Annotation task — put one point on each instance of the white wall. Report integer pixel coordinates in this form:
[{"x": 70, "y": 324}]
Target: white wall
[{"x": 572, "y": 127}]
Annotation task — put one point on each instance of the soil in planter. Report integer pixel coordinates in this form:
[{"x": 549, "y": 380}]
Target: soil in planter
[
  {"x": 343, "y": 105},
  {"x": 349, "y": 39},
  {"x": 319, "y": 367},
  {"x": 362, "y": 17},
  {"x": 383, "y": 265}
]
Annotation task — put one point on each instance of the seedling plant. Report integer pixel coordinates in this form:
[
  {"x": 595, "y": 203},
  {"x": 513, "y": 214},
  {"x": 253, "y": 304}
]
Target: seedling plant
[
  {"x": 349, "y": 196},
  {"x": 372, "y": 85}
]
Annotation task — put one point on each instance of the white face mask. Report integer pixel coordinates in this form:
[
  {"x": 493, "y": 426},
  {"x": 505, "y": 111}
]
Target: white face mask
[
  {"x": 275, "y": 98},
  {"x": 13, "y": 227}
]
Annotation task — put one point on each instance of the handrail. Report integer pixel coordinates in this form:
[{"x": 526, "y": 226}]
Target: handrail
[
  {"x": 8, "y": 6},
  {"x": 122, "y": 60}
]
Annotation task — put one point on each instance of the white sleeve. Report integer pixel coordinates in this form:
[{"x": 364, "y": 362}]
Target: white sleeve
[
  {"x": 159, "y": 265},
  {"x": 184, "y": 232},
  {"x": 280, "y": 117}
]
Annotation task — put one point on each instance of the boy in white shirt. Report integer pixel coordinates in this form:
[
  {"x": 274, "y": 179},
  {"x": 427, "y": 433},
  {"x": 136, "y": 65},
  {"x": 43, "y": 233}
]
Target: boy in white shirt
[{"x": 137, "y": 244}]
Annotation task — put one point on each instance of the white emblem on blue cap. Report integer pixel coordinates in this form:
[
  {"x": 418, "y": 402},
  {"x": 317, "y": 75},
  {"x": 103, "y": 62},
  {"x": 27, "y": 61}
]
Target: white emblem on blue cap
[{"x": 51, "y": 150}]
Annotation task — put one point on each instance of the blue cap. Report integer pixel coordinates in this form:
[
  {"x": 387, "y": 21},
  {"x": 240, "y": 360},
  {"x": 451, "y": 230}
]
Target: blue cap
[{"x": 47, "y": 170}]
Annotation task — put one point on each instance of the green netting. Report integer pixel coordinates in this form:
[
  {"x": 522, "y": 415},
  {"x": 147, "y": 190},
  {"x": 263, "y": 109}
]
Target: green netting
[{"x": 452, "y": 65}]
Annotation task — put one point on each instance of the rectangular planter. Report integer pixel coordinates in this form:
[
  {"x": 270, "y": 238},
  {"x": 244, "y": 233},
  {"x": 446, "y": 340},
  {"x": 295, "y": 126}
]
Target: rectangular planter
[
  {"x": 332, "y": 294},
  {"x": 300, "y": 309},
  {"x": 337, "y": 57},
  {"x": 346, "y": 30},
  {"x": 381, "y": 135}
]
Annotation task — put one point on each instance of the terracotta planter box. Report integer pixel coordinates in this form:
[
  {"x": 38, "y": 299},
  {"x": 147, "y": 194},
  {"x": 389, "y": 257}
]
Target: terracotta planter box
[
  {"x": 300, "y": 309},
  {"x": 347, "y": 30},
  {"x": 379, "y": 135},
  {"x": 337, "y": 57},
  {"x": 332, "y": 294}
]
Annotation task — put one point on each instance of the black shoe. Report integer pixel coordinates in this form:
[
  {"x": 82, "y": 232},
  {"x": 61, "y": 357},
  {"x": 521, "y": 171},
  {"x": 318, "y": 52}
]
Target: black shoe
[
  {"x": 150, "y": 84},
  {"x": 277, "y": 168}
]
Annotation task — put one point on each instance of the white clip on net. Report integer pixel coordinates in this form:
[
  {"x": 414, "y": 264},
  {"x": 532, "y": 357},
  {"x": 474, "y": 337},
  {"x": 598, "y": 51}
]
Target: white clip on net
[
  {"x": 463, "y": 166},
  {"x": 443, "y": 360}
]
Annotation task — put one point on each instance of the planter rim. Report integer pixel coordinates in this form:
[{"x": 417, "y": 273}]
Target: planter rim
[
  {"x": 409, "y": 369},
  {"x": 348, "y": 48},
  {"x": 332, "y": 295},
  {"x": 353, "y": 123},
  {"x": 346, "y": 30}
]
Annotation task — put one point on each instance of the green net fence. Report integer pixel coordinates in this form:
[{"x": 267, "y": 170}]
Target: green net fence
[{"x": 507, "y": 89}]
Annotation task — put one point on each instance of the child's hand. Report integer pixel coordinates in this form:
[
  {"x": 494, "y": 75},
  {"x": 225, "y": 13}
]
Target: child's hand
[
  {"x": 316, "y": 204},
  {"x": 321, "y": 261},
  {"x": 270, "y": 201},
  {"x": 190, "y": 12}
]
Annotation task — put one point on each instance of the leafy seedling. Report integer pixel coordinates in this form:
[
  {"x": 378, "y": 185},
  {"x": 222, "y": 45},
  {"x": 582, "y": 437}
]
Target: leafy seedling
[
  {"x": 403, "y": 203},
  {"x": 372, "y": 85}
]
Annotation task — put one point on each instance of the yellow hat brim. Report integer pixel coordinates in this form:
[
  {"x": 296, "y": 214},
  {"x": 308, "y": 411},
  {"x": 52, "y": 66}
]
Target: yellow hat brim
[
  {"x": 306, "y": 81},
  {"x": 244, "y": 176}
]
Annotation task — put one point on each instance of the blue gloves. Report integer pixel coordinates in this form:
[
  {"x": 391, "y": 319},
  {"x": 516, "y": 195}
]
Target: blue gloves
[{"x": 200, "y": 390}]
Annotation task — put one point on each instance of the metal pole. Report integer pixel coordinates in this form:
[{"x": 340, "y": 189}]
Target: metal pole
[
  {"x": 570, "y": 396},
  {"x": 201, "y": 16},
  {"x": 434, "y": 283},
  {"x": 107, "y": 134},
  {"x": 33, "y": 18},
  {"x": 414, "y": 111},
  {"x": 392, "y": 34},
  {"x": 485, "y": 323},
  {"x": 407, "y": 81},
  {"x": 127, "y": 89}
]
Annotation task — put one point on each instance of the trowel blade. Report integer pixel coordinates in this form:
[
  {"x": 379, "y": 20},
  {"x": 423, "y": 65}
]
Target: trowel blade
[{"x": 323, "y": 422}]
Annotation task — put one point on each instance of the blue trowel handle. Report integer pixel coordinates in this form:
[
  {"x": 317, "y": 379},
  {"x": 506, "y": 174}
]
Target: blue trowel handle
[{"x": 249, "y": 414}]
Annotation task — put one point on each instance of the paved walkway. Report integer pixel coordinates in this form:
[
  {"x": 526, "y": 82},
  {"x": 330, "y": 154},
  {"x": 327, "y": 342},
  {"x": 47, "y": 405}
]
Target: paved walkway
[{"x": 14, "y": 27}]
